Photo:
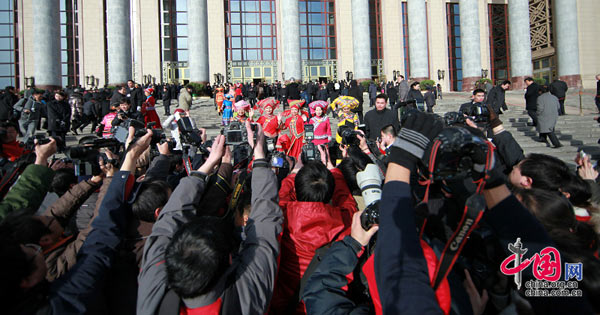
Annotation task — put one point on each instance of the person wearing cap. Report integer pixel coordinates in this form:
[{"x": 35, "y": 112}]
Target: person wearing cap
[
  {"x": 148, "y": 110},
  {"x": 320, "y": 121},
  {"x": 270, "y": 123},
  {"x": 295, "y": 125},
  {"x": 243, "y": 111}
]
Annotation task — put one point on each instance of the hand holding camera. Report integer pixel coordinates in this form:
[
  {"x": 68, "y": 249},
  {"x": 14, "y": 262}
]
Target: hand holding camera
[
  {"x": 44, "y": 150},
  {"x": 358, "y": 232}
]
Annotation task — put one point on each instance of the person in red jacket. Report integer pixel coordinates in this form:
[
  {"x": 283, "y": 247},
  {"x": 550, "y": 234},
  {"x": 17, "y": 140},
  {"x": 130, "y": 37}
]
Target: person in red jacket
[
  {"x": 12, "y": 149},
  {"x": 148, "y": 111},
  {"x": 318, "y": 209}
]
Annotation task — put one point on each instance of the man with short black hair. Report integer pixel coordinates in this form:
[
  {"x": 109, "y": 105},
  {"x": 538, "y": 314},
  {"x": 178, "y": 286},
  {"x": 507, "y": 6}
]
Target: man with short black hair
[
  {"x": 496, "y": 97},
  {"x": 559, "y": 89},
  {"x": 9, "y": 99},
  {"x": 531, "y": 95},
  {"x": 477, "y": 98},
  {"x": 379, "y": 117}
]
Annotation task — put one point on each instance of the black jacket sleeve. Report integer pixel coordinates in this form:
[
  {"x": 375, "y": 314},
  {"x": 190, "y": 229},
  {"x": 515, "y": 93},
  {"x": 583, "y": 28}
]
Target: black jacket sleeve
[
  {"x": 324, "y": 293},
  {"x": 509, "y": 150},
  {"x": 400, "y": 267}
]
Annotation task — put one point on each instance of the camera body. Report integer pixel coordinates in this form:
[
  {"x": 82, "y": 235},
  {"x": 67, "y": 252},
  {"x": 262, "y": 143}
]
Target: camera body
[
  {"x": 235, "y": 134},
  {"x": 349, "y": 136},
  {"x": 370, "y": 216},
  {"x": 278, "y": 160},
  {"x": 454, "y": 118},
  {"x": 188, "y": 133},
  {"x": 310, "y": 152},
  {"x": 121, "y": 131},
  {"x": 309, "y": 132},
  {"x": 479, "y": 113}
]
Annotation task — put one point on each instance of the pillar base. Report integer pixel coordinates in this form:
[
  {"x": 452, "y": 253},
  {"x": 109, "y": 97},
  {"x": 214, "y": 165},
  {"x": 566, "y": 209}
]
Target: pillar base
[
  {"x": 573, "y": 80},
  {"x": 48, "y": 87},
  {"x": 469, "y": 84},
  {"x": 518, "y": 83}
]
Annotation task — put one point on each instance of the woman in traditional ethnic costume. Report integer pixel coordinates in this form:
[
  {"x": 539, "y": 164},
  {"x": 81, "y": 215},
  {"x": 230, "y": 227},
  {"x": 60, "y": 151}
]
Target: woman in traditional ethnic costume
[
  {"x": 346, "y": 118},
  {"x": 269, "y": 122},
  {"x": 219, "y": 98},
  {"x": 148, "y": 111},
  {"x": 320, "y": 121},
  {"x": 227, "y": 110},
  {"x": 243, "y": 111},
  {"x": 295, "y": 125}
]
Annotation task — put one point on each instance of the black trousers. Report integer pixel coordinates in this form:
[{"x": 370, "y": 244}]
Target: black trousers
[
  {"x": 552, "y": 137},
  {"x": 167, "y": 105},
  {"x": 533, "y": 115},
  {"x": 562, "y": 106}
]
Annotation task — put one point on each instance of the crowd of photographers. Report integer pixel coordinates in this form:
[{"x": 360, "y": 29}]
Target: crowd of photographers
[{"x": 409, "y": 213}]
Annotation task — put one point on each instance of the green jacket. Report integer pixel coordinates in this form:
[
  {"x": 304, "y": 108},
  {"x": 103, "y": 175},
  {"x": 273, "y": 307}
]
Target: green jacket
[{"x": 29, "y": 190}]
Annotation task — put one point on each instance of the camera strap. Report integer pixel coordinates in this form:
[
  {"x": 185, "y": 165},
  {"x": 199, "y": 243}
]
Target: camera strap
[{"x": 472, "y": 214}]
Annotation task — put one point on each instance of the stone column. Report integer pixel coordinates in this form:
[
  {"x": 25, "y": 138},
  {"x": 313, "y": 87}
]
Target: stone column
[
  {"x": 290, "y": 23},
  {"x": 567, "y": 41},
  {"x": 198, "y": 41},
  {"x": 469, "y": 40},
  {"x": 361, "y": 40},
  {"x": 417, "y": 39},
  {"x": 46, "y": 55},
  {"x": 520, "y": 42},
  {"x": 118, "y": 35}
]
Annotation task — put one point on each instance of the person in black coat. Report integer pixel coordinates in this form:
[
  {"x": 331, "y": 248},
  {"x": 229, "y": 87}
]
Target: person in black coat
[
  {"x": 559, "y": 89},
  {"x": 380, "y": 117},
  {"x": 8, "y": 100},
  {"x": 292, "y": 90},
  {"x": 322, "y": 94},
  {"x": 415, "y": 95},
  {"x": 531, "y": 95},
  {"x": 496, "y": 97},
  {"x": 356, "y": 91},
  {"x": 59, "y": 116},
  {"x": 166, "y": 98},
  {"x": 393, "y": 94}
]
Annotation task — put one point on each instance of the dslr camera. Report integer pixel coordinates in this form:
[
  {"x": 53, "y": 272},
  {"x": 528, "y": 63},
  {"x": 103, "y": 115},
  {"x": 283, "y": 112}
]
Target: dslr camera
[
  {"x": 310, "y": 152},
  {"x": 236, "y": 134},
  {"x": 188, "y": 133},
  {"x": 349, "y": 136},
  {"x": 121, "y": 131},
  {"x": 479, "y": 113}
]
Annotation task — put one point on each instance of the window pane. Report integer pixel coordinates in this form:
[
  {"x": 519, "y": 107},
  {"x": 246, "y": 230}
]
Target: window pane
[
  {"x": 236, "y": 42},
  {"x": 235, "y": 18},
  {"x": 267, "y": 55},
  {"x": 257, "y": 72},
  {"x": 182, "y": 42},
  {"x": 6, "y": 56},
  {"x": 248, "y": 72},
  {"x": 181, "y": 18},
  {"x": 6, "y": 30},
  {"x": 237, "y": 55},
  {"x": 265, "y": 5},
  {"x": 181, "y": 5},
  {"x": 182, "y": 30},
  {"x": 237, "y": 72},
  {"x": 182, "y": 55},
  {"x": 236, "y": 30},
  {"x": 166, "y": 43},
  {"x": 267, "y": 71},
  {"x": 266, "y": 42}
]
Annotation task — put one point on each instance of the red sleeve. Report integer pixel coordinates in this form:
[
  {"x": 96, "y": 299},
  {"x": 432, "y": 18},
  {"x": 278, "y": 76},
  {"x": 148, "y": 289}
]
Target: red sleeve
[
  {"x": 287, "y": 192},
  {"x": 342, "y": 197}
]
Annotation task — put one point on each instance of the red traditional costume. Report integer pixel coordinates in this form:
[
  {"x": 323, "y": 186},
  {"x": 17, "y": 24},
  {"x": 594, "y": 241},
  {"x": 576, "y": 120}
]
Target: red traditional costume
[
  {"x": 148, "y": 111},
  {"x": 269, "y": 123},
  {"x": 219, "y": 98},
  {"x": 295, "y": 125},
  {"x": 322, "y": 127}
]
